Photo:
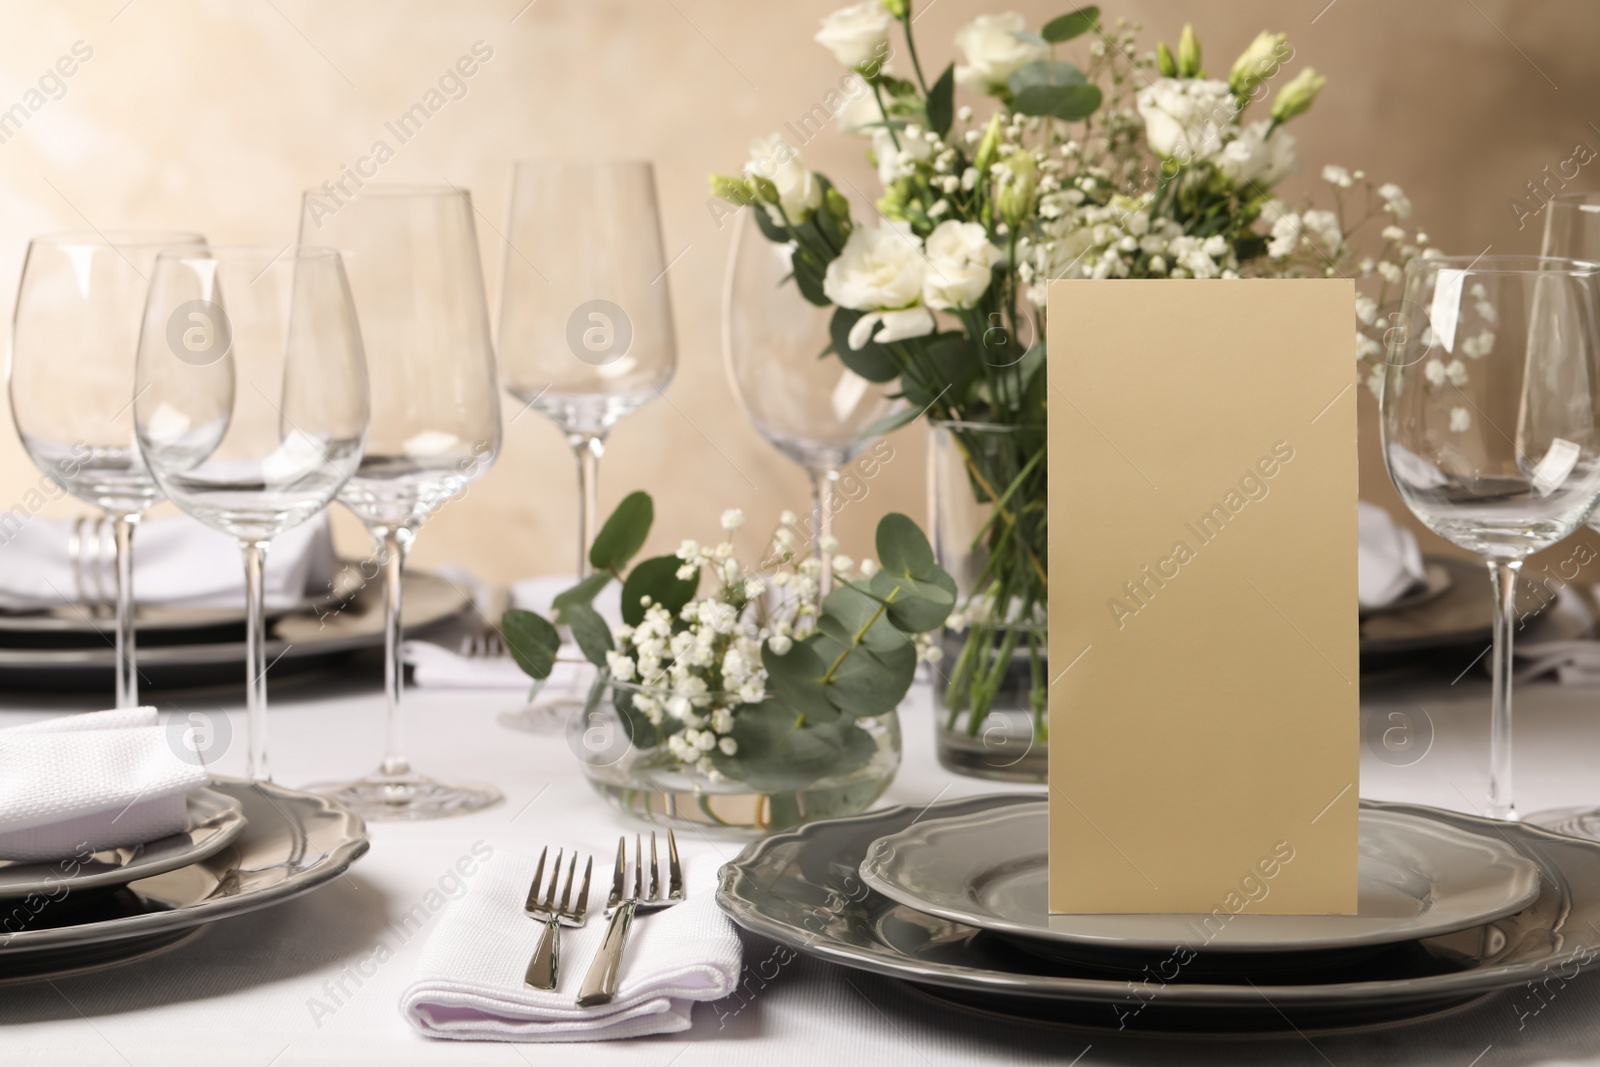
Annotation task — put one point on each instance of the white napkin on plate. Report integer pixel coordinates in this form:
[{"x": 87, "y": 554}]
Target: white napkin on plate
[
  {"x": 1388, "y": 560},
  {"x": 1555, "y": 644},
  {"x": 176, "y": 561},
  {"x": 470, "y": 985},
  {"x": 88, "y": 782}
]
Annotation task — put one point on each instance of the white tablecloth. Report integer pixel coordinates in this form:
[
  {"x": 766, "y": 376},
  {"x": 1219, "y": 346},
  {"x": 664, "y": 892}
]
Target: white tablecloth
[{"x": 298, "y": 984}]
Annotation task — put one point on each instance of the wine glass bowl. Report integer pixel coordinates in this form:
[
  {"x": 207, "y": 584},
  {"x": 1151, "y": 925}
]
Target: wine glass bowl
[{"x": 1491, "y": 424}]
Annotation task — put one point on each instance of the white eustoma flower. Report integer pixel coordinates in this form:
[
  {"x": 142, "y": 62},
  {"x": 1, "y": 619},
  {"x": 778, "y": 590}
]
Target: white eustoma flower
[
  {"x": 1253, "y": 158},
  {"x": 799, "y": 192},
  {"x": 896, "y": 326},
  {"x": 858, "y": 35},
  {"x": 994, "y": 51},
  {"x": 879, "y": 269},
  {"x": 961, "y": 259},
  {"x": 1184, "y": 118}
]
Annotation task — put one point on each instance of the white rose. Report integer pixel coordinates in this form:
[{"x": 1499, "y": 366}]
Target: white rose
[
  {"x": 878, "y": 269},
  {"x": 858, "y": 36},
  {"x": 1183, "y": 119},
  {"x": 993, "y": 50},
  {"x": 799, "y": 193},
  {"x": 890, "y": 159},
  {"x": 1253, "y": 158},
  {"x": 960, "y": 258}
]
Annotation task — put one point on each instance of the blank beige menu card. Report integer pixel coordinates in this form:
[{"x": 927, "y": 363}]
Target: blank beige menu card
[{"x": 1204, "y": 728}]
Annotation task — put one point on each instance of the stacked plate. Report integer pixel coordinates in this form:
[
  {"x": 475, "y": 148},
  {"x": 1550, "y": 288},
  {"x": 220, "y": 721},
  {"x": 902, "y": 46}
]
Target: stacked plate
[
  {"x": 246, "y": 846},
  {"x": 952, "y": 898}
]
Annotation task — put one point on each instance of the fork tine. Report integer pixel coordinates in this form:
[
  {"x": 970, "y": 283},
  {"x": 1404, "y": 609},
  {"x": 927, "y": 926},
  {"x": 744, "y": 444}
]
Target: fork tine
[
  {"x": 566, "y": 892},
  {"x": 582, "y": 908},
  {"x": 555, "y": 876},
  {"x": 674, "y": 869},
  {"x": 619, "y": 874},
  {"x": 538, "y": 877},
  {"x": 655, "y": 870},
  {"x": 638, "y": 867}
]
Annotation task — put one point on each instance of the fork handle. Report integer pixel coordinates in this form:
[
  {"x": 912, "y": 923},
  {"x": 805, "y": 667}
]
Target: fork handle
[
  {"x": 541, "y": 972},
  {"x": 600, "y": 984}
]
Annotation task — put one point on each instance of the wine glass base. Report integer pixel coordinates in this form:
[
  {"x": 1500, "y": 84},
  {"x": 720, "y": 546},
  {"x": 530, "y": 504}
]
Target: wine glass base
[
  {"x": 1573, "y": 822},
  {"x": 411, "y": 798}
]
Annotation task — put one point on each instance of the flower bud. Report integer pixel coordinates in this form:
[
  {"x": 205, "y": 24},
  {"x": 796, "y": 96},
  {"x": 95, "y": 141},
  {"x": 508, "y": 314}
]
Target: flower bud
[
  {"x": 764, "y": 190},
  {"x": 989, "y": 145},
  {"x": 836, "y": 204},
  {"x": 897, "y": 8},
  {"x": 1257, "y": 63},
  {"x": 733, "y": 190},
  {"x": 1297, "y": 97},
  {"x": 1188, "y": 53},
  {"x": 1164, "y": 61},
  {"x": 1014, "y": 194}
]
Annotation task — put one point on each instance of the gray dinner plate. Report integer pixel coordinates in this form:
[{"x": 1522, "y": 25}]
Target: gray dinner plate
[
  {"x": 802, "y": 888},
  {"x": 214, "y": 820},
  {"x": 292, "y": 843},
  {"x": 1419, "y": 878}
]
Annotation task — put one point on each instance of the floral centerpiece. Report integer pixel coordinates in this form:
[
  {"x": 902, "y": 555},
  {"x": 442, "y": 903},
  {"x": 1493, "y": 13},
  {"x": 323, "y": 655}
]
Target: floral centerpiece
[
  {"x": 758, "y": 702},
  {"x": 1125, "y": 163}
]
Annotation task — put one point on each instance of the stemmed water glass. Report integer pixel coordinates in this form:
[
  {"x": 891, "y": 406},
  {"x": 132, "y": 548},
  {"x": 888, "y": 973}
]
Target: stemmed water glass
[
  {"x": 250, "y": 405},
  {"x": 1491, "y": 399},
  {"x": 70, "y": 375},
  {"x": 412, "y": 255},
  {"x": 586, "y": 332},
  {"x": 813, "y": 409}
]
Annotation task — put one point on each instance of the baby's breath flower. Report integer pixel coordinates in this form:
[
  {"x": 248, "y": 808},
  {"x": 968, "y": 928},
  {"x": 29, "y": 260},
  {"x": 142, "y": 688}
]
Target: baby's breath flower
[{"x": 732, "y": 519}]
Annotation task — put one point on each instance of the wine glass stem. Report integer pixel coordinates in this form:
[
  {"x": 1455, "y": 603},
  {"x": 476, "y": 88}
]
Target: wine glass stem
[
  {"x": 255, "y": 560},
  {"x": 127, "y": 667},
  {"x": 1503, "y": 575},
  {"x": 822, "y": 480},
  {"x": 396, "y": 542},
  {"x": 588, "y": 448}
]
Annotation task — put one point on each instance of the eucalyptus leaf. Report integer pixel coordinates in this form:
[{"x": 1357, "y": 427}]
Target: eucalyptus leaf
[
  {"x": 1044, "y": 72},
  {"x": 914, "y": 606},
  {"x": 872, "y": 361},
  {"x": 1069, "y": 103},
  {"x": 640, "y": 730},
  {"x": 889, "y": 423},
  {"x": 589, "y": 630},
  {"x": 860, "y": 619},
  {"x": 532, "y": 642},
  {"x": 942, "y": 102},
  {"x": 795, "y": 680},
  {"x": 582, "y": 593},
  {"x": 1029, "y": 37},
  {"x": 1074, "y": 24},
  {"x": 623, "y": 534},
  {"x": 867, "y": 683},
  {"x": 658, "y": 579},
  {"x": 779, "y": 753},
  {"x": 903, "y": 549}
]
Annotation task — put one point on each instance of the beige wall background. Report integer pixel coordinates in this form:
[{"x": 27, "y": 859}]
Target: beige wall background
[{"x": 215, "y": 115}]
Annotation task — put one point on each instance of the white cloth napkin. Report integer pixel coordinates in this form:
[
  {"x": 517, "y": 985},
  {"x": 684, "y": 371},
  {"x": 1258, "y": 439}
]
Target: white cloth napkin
[
  {"x": 176, "y": 561},
  {"x": 1389, "y": 562},
  {"x": 102, "y": 780},
  {"x": 1554, "y": 645},
  {"x": 470, "y": 983}
]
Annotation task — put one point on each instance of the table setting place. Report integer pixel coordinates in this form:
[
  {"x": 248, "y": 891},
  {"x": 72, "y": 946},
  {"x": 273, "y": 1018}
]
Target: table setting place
[{"x": 824, "y": 778}]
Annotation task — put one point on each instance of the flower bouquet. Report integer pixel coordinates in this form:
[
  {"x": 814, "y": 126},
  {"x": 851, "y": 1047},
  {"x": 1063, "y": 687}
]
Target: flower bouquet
[
  {"x": 1121, "y": 164},
  {"x": 760, "y": 703}
]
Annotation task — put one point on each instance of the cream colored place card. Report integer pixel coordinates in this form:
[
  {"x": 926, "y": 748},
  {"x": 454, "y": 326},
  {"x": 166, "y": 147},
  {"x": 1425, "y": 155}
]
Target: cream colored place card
[{"x": 1204, "y": 727}]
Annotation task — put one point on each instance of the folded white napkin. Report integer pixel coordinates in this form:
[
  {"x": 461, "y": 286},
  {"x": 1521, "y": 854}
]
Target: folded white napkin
[
  {"x": 101, "y": 780},
  {"x": 176, "y": 561},
  {"x": 470, "y": 983},
  {"x": 1388, "y": 560},
  {"x": 1554, "y": 645}
]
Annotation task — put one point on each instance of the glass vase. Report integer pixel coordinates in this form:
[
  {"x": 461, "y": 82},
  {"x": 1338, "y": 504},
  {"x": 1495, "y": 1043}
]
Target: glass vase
[
  {"x": 651, "y": 782},
  {"x": 987, "y": 497}
]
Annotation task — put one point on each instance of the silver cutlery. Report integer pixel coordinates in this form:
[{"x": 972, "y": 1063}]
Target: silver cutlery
[
  {"x": 541, "y": 973},
  {"x": 600, "y": 984}
]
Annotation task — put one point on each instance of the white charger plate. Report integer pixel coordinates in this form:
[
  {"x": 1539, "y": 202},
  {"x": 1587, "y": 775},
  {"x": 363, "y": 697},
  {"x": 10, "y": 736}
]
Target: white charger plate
[{"x": 1419, "y": 878}]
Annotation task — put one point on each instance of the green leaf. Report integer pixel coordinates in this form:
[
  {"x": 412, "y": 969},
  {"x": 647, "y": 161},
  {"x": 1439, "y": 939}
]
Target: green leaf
[
  {"x": 889, "y": 423},
  {"x": 658, "y": 579},
  {"x": 1069, "y": 103},
  {"x": 532, "y": 642},
  {"x": 795, "y": 679},
  {"x": 774, "y": 229},
  {"x": 872, "y": 361},
  {"x": 582, "y": 593},
  {"x": 903, "y": 549},
  {"x": 640, "y": 730},
  {"x": 915, "y": 606},
  {"x": 856, "y": 617},
  {"x": 1029, "y": 36},
  {"x": 1045, "y": 72},
  {"x": 779, "y": 753},
  {"x": 623, "y": 534},
  {"x": 942, "y": 102},
  {"x": 1073, "y": 24},
  {"x": 589, "y": 630}
]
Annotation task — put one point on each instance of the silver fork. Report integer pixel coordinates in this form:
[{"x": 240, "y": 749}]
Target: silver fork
[
  {"x": 600, "y": 984},
  {"x": 541, "y": 973}
]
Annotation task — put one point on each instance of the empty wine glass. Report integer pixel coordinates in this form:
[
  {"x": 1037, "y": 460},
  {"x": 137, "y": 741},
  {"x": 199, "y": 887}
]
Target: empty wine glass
[
  {"x": 412, "y": 255},
  {"x": 250, "y": 404},
  {"x": 586, "y": 332},
  {"x": 70, "y": 374},
  {"x": 1491, "y": 398},
  {"x": 811, "y": 407}
]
